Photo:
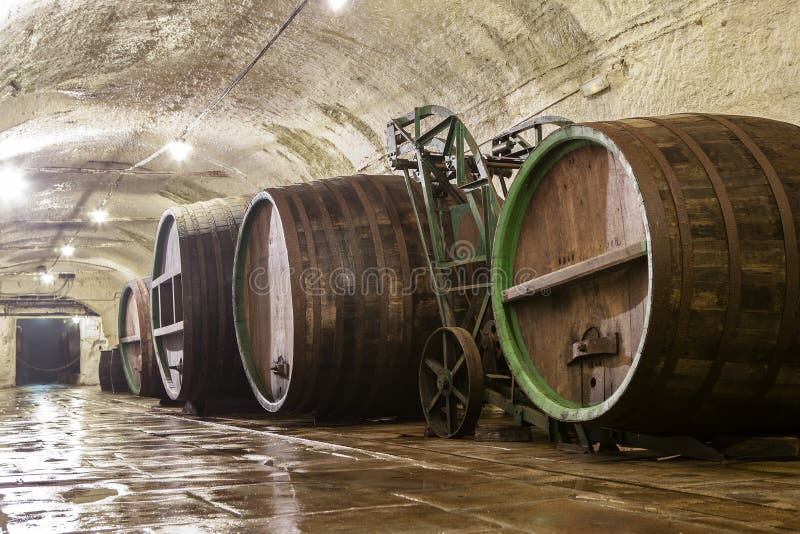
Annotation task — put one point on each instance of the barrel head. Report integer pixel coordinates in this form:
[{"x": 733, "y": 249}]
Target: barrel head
[
  {"x": 268, "y": 305},
  {"x": 585, "y": 210},
  {"x": 167, "y": 306},
  {"x": 130, "y": 337}
]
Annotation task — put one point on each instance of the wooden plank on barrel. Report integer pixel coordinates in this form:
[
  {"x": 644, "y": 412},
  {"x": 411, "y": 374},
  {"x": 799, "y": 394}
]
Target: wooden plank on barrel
[
  {"x": 574, "y": 272},
  {"x": 169, "y": 329}
]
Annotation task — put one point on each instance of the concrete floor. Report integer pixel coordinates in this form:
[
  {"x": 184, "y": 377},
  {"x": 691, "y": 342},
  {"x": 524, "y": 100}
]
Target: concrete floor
[{"x": 75, "y": 459}]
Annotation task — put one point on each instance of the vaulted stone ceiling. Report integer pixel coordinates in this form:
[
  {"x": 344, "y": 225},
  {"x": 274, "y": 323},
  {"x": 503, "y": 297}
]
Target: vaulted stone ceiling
[{"x": 88, "y": 87}]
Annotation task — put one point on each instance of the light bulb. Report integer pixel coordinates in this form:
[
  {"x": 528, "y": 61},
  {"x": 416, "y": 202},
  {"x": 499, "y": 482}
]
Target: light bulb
[
  {"x": 598, "y": 84},
  {"x": 98, "y": 216},
  {"x": 179, "y": 150},
  {"x": 47, "y": 278},
  {"x": 336, "y": 5},
  {"x": 12, "y": 183},
  {"x": 67, "y": 251}
]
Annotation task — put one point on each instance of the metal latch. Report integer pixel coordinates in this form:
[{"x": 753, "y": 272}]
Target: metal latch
[
  {"x": 596, "y": 346},
  {"x": 281, "y": 367}
]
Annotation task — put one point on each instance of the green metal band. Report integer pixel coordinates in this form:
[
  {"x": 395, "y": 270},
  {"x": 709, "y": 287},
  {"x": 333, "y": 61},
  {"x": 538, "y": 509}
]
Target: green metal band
[
  {"x": 126, "y": 366},
  {"x": 240, "y": 286}
]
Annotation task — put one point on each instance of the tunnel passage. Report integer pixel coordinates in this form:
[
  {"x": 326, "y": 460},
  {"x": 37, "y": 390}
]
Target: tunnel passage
[{"x": 48, "y": 351}]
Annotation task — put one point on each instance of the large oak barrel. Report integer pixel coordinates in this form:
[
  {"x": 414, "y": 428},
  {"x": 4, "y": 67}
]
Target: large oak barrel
[
  {"x": 332, "y": 297},
  {"x": 192, "y": 319},
  {"x": 111, "y": 372},
  {"x": 119, "y": 384},
  {"x": 647, "y": 275},
  {"x": 136, "y": 340}
]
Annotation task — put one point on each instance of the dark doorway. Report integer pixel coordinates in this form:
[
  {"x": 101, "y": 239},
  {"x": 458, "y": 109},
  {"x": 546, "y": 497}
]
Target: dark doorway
[{"x": 48, "y": 351}]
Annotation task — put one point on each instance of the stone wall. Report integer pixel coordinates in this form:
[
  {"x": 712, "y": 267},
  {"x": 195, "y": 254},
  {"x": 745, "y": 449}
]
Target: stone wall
[{"x": 8, "y": 349}]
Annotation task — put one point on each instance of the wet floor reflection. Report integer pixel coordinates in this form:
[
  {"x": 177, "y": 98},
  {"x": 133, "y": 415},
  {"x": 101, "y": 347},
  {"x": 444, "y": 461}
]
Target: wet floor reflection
[{"x": 74, "y": 459}]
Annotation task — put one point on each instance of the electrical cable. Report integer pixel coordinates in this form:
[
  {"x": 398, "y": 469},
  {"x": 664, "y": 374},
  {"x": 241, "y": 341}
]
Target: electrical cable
[
  {"x": 246, "y": 70},
  {"x": 197, "y": 120}
]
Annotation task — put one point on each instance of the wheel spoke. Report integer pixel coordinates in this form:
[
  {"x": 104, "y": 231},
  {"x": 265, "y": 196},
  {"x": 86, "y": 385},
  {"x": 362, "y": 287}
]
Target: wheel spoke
[
  {"x": 448, "y": 416},
  {"x": 452, "y": 414},
  {"x": 434, "y": 366},
  {"x": 461, "y": 396},
  {"x": 458, "y": 364},
  {"x": 434, "y": 400}
]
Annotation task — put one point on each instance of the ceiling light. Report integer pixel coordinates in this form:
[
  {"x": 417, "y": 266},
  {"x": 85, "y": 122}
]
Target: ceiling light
[
  {"x": 596, "y": 85},
  {"x": 98, "y": 216},
  {"x": 47, "y": 278},
  {"x": 67, "y": 250},
  {"x": 336, "y": 5},
  {"x": 76, "y": 320},
  {"x": 12, "y": 183},
  {"x": 179, "y": 150}
]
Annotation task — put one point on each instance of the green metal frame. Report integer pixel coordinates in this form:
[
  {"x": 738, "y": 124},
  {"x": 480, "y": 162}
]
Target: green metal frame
[
  {"x": 449, "y": 165},
  {"x": 126, "y": 364},
  {"x": 458, "y": 180}
]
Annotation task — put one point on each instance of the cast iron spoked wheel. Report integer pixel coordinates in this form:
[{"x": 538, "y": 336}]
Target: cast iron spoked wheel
[{"x": 451, "y": 382}]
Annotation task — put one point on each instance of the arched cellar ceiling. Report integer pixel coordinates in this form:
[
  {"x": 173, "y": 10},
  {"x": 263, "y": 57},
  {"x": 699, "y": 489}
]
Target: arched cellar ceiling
[{"x": 97, "y": 85}]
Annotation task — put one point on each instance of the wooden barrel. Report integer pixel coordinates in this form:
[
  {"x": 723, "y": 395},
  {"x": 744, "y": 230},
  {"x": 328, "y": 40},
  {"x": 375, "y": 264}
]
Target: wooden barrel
[
  {"x": 332, "y": 297},
  {"x": 192, "y": 318},
  {"x": 647, "y": 275},
  {"x": 136, "y": 340},
  {"x": 119, "y": 383},
  {"x": 104, "y": 370}
]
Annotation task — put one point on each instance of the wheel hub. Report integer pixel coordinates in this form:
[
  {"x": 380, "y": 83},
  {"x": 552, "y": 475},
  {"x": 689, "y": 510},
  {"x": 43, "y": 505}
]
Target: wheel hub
[{"x": 444, "y": 382}]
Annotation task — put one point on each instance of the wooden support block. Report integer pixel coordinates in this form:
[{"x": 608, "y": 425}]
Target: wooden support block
[{"x": 221, "y": 405}]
